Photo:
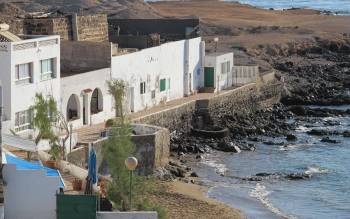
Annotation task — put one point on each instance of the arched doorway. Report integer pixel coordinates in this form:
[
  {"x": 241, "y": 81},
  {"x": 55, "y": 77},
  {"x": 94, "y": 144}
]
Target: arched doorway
[
  {"x": 96, "y": 104},
  {"x": 73, "y": 108}
]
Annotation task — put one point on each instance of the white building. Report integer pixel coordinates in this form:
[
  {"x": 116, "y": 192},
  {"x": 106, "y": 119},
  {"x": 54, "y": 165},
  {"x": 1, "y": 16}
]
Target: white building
[
  {"x": 245, "y": 74},
  {"x": 159, "y": 74},
  {"x": 218, "y": 71},
  {"x": 85, "y": 98},
  {"x": 28, "y": 66}
]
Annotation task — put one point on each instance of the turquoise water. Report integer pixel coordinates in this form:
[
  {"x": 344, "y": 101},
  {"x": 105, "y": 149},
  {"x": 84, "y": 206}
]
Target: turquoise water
[
  {"x": 326, "y": 194},
  {"x": 341, "y": 7}
]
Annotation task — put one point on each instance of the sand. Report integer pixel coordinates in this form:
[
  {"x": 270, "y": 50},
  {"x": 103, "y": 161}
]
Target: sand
[{"x": 185, "y": 200}]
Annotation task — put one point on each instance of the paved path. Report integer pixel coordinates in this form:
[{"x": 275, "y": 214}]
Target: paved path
[{"x": 92, "y": 133}]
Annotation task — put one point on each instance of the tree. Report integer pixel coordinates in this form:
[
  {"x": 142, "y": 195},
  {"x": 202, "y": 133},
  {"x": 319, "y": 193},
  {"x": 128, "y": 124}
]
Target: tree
[
  {"x": 45, "y": 118},
  {"x": 117, "y": 89},
  {"x": 44, "y": 115}
]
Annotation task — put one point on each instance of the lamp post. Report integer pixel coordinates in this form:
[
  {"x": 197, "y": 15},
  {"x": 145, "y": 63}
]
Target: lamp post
[{"x": 131, "y": 164}]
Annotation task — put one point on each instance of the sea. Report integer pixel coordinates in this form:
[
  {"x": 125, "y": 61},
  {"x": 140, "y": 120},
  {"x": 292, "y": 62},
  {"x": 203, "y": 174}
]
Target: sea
[
  {"x": 323, "y": 194},
  {"x": 338, "y": 7}
]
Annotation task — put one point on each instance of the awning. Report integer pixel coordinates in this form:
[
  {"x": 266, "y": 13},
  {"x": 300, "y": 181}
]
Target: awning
[
  {"x": 18, "y": 142},
  {"x": 26, "y": 165}
]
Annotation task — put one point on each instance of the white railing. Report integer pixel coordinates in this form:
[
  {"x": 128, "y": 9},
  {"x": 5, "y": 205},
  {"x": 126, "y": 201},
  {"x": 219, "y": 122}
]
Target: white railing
[{"x": 41, "y": 41}]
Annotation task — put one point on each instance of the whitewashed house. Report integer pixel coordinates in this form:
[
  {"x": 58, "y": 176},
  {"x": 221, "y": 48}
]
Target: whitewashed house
[
  {"x": 28, "y": 65},
  {"x": 85, "y": 98},
  {"x": 218, "y": 71},
  {"x": 159, "y": 74}
]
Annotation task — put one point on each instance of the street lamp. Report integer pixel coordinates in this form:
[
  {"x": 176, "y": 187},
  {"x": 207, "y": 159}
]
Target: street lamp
[{"x": 131, "y": 164}]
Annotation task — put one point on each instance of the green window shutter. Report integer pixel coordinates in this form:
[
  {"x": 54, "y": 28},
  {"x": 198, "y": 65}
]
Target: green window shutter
[{"x": 162, "y": 85}]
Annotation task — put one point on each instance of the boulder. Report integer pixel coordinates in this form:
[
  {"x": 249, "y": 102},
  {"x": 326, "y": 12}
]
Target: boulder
[
  {"x": 291, "y": 137},
  {"x": 329, "y": 140}
]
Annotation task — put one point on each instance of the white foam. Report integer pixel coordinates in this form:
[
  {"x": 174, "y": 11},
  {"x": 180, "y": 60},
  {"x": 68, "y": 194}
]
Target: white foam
[
  {"x": 302, "y": 129},
  {"x": 314, "y": 170},
  {"x": 220, "y": 168},
  {"x": 260, "y": 193}
]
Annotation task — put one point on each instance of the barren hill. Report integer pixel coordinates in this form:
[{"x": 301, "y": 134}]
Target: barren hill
[{"x": 115, "y": 8}]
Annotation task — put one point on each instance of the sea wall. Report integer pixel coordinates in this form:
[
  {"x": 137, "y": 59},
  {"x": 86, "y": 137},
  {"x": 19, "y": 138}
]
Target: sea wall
[{"x": 264, "y": 93}]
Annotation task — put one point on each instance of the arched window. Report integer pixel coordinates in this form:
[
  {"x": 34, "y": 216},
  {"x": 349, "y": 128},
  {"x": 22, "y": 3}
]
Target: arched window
[
  {"x": 73, "y": 108},
  {"x": 96, "y": 101}
]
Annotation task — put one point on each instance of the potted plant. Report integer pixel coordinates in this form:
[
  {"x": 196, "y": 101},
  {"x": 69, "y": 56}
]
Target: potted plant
[
  {"x": 109, "y": 123},
  {"x": 77, "y": 184},
  {"x": 55, "y": 153}
]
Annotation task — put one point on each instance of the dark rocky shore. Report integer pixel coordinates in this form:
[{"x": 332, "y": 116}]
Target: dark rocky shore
[{"x": 316, "y": 73}]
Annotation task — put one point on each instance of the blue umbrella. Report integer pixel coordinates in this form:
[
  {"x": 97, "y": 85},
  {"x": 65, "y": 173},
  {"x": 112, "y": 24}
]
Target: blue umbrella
[{"x": 92, "y": 173}]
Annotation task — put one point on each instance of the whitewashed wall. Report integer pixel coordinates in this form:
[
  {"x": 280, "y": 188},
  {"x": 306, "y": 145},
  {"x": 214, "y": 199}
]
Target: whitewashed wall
[
  {"x": 19, "y": 97},
  {"x": 76, "y": 84},
  {"x": 29, "y": 194},
  {"x": 221, "y": 81},
  {"x": 245, "y": 74},
  {"x": 174, "y": 61}
]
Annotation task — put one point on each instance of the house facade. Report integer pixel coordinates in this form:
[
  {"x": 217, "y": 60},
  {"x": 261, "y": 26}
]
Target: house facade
[
  {"x": 218, "y": 71},
  {"x": 28, "y": 66},
  {"x": 159, "y": 74}
]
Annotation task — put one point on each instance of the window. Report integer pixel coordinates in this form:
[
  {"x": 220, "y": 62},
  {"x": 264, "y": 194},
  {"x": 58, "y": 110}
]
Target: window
[
  {"x": 168, "y": 84},
  {"x": 153, "y": 94},
  {"x": 142, "y": 87},
  {"x": 225, "y": 67},
  {"x": 162, "y": 85},
  {"x": 23, "y": 73},
  {"x": 47, "y": 70},
  {"x": 23, "y": 120}
]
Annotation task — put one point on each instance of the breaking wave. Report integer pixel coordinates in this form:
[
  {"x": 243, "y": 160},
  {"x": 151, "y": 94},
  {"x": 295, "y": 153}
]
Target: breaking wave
[
  {"x": 220, "y": 169},
  {"x": 261, "y": 194}
]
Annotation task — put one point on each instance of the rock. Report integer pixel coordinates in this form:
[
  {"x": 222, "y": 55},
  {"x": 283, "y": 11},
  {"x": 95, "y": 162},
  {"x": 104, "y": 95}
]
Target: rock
[
  {"x": 317, "y": 132},
  {"x": 194, "y": 174},
  {"x": 346, "y": 134},
  {"x": 199, "y": 157},
  {"x": 291, "y": 137},
  {"x": 228, "y": 147},
  {"x": 297, "y": 176},
  {"x": 329, "y": 140},
  {"x": 298, "y": 110}
]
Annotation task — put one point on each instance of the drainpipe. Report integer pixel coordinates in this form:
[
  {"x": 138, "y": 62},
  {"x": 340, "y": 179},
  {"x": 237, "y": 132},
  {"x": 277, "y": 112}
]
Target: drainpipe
[{"x": 75, "y": 28}]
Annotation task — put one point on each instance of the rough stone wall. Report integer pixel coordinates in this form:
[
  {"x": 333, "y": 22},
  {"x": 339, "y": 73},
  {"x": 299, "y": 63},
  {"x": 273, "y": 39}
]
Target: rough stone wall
[
  {"x": 177, "y": 118},
  {"x": 244, "y": 99},
  {"x": 90, "y": 27},
  {"x": 62, "y": 27},
  {"x": 152, "y": 151},
  {"x": 93, "y": 28}
]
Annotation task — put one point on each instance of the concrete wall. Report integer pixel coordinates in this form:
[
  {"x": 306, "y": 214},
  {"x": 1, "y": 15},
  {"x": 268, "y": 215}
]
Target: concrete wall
[
  {"x": 127, "y": 215},
  {"x": 20, "y": 97},
  {"x": 29, "y": 194},
  {"x": 245, "y": 74},
  {"x": 77, "y": 85},
  {"x": 77, "y": 57},
  {"x": 221, "y": 80},
  {"x": 168, "y": 28},
  {"x": 174, "y": 61}
]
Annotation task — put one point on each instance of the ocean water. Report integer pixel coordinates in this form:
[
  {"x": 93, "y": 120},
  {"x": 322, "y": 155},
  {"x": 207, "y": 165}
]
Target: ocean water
[
  {"x": 340, "y": 7},
  {"x": 324, "y": 195}
]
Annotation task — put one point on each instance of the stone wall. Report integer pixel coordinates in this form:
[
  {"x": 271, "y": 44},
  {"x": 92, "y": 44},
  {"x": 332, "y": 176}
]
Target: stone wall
[
  {"x": 89, "y": 27},
  {"x": 152, "y": 151},
  {"x": 240, "y": 100},
  {"x": 93, "y": 28}
]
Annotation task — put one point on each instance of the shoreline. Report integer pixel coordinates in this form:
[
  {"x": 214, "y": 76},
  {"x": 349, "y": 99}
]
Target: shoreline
[{"x": 186, "y": 200}]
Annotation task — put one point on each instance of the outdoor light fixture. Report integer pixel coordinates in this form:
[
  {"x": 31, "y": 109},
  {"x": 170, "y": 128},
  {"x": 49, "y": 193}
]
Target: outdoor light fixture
[{"x": 131, "y": 164}]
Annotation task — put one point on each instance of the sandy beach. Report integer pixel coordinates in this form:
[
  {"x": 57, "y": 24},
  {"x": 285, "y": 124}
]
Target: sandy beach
[{"x": 185, "y": 200}]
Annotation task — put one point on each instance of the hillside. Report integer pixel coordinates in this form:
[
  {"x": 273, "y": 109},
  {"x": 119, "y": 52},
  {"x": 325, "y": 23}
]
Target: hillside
[{"x": 115, "y": 8}]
